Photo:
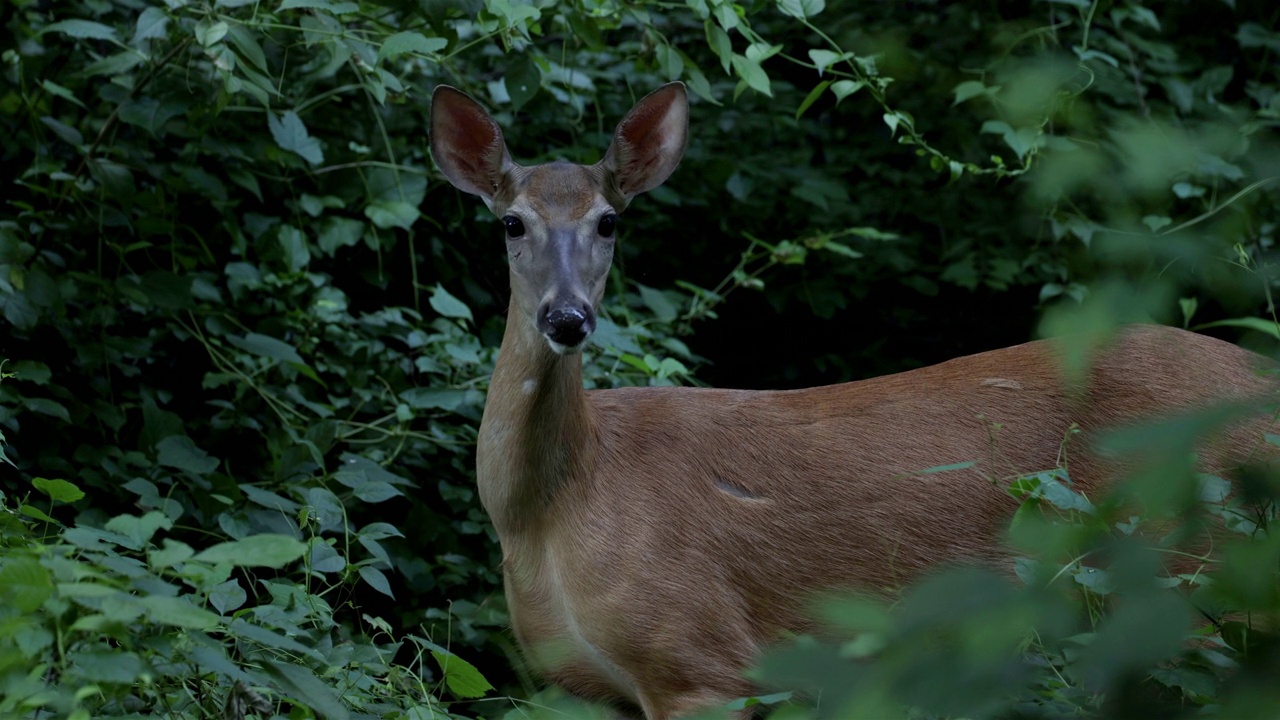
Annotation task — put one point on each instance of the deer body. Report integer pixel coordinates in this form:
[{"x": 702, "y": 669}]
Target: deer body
[{"x": 656, "y": 539}]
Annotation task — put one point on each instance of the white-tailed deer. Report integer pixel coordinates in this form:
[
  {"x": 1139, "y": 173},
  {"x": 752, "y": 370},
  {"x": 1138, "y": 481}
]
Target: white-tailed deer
[{"x": 656, "y": 539}]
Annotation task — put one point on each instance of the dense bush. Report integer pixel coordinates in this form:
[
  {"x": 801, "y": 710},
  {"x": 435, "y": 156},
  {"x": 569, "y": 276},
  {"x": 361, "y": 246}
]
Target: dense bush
[{"x": 249, "y": 331}]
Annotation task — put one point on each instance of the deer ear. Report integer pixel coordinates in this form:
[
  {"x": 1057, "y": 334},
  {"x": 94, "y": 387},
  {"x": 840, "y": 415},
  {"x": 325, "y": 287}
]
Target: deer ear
[
  {"x": 649, "y": 142},
  {"x": 466, "y": 143}
]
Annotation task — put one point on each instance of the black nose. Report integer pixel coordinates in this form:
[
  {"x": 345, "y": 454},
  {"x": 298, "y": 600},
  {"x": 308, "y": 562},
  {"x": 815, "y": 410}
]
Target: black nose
[{"x": 567, "y": 326}]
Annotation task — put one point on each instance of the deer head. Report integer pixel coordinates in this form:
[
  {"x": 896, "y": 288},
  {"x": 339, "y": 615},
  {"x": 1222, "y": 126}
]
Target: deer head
[{"x": 560, "y": 217}]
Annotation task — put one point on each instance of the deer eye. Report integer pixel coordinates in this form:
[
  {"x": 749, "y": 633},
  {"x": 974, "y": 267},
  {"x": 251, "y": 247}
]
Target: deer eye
[
  {"x": 515, "y": 228},
  {"x": 608, "y": 224}
]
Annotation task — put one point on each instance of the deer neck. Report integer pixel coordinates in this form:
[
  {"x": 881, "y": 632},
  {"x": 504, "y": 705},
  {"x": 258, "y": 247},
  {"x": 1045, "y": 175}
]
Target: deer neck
[{"x": 536, "y": 439}]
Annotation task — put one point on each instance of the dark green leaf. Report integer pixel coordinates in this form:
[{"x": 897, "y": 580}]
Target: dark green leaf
[
  {"x": 290, "y": 134},
  {"x": 265, "y": 550}
]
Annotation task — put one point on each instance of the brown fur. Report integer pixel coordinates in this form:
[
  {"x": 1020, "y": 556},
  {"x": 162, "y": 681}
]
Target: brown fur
[{"x": 656, "y": 539}]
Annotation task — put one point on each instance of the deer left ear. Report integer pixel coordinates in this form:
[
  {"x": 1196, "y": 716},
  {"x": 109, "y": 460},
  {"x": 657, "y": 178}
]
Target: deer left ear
[
  {"x": 467, "y": 144},
  {"x": 649, "y": 142}
]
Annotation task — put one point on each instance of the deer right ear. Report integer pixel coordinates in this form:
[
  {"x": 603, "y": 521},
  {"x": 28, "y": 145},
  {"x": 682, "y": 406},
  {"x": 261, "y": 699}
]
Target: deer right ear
[
  {"x": 466, "y": 143},
  {"x": 649, "y": 142}
]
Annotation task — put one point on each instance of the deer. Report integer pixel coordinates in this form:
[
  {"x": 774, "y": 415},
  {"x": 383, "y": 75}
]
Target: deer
[{"x": 656, "y": 540}]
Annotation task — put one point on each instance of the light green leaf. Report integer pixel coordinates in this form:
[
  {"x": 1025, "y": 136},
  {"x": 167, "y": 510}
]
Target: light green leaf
[
  {"x": 337, "y": 8},
  {"x": 180, "y": 452},
  {"x": 410, "y": 42},
  {"x": 58, "y": 490},
  {"x": 387, "y": 214},
  {"x": 825, "y": 58},
  {"x": 463, "y": 679},
  {"x": 171, "y": 554},
  {"x": 339, "y": 232},
  {"x": 82, "y": 29},
  {"x": 139, "y": 529},
  {"x": 24, "y": 583},
  {"x": 971, "y": 89},
  {"x": 752, "y": 74},
  {"x": 265, "y": 550},
  {"x": 291, "y": 134},
  {"x": 208, "y": 33},
  {"x": 845, "y": 88},
  {"x": 448, "y": 305},
  {"x": 178, "y": 612},
  {"x": 1267, "y": 327},
  {"x": 801, "y": 8}
]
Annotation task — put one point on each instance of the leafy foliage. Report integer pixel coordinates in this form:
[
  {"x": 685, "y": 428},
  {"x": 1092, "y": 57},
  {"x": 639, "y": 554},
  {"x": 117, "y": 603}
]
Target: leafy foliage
[{"x": 246, "y": 322}]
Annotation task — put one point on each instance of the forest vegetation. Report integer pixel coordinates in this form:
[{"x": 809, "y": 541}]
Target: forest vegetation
[{"x": 248, "y": 329}]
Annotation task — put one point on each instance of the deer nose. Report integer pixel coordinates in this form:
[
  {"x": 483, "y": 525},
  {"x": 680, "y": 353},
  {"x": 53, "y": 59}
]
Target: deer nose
[{"x": 567, "y": 325}]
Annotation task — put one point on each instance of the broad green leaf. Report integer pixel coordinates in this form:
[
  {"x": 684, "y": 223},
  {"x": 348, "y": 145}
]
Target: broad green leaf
[
  {"x": 65, "y": 132},
  {"x": 522, "y": 81},
  {"x": 24, "y": 583},
  {"x": 267, "y": 346},
  {"x": 376, "y": 580},
  {"x": 337, "y": 8},
  {"x": 82, "y": 29},
  {"x": 448, "y": 305},
  {"x": 826, "y": 58},
  {"x": 45, "y": 406},
  {"x": 58, "y": 490},
  {"x": 970, "y": 89},
  {"x": 180, "y": 452},
  {"x": 410, "y": 42},
  {"x": 657, "y": 301},
  {"x": 209, "y": 32},
  {"x": 339, "y": 232},
  {"x": 228, "y": 596},
  {"x": 171, "y": 554},
  {"x": 178, "y": 612},
  {"x": 801, "y": 8},
  {"x": 303, "y": 685},
  {"x": 387, "y": 214},
  {"x": 290, "y": 134},
  {"x": 462, "y": 678},
  {"x": 116, "y": 665},
  {"x": 265, "y": 550},
  {"x": 752, "y": 74},
  {"x": 152, "y": 23},
  {"x": 844, "y": 88},
  {"x": 139, "y": 529},
  {"x": 719, "y": 41}
]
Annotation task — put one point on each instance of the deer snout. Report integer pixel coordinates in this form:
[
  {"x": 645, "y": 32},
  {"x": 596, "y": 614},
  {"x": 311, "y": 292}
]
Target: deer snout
[{"x": 566, "y": 327}]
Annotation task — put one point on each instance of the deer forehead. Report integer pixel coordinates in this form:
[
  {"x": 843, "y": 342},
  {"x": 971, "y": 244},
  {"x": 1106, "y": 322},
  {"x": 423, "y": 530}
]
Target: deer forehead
[{"x": 557, "y": 192}]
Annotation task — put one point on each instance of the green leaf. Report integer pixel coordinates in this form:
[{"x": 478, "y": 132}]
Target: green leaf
[
  {"x": 24, "y": 583},
  {"x": 338, "y": 8},
  {"x": 267, "y": 346},
  {"x": 45, "y": 406},
  {"x": 971, "y": 89},
  {"x": 387, "y": 214},
  {"x": 448, "y": 305},
  {"x": 265, "y": 550},
  {"x": 58, "y": 490},
  {"x": 82, "y": 29},
  {"x": 139, "y": 529},
  {"x": 434, "y": 398},
  {"x": 522, "y": 81},
  {"x": 171, "y": 554},
  {"x": 1267, "y": 327},
  {"x": 376, "y": 580},
  {"x": 56, "y": 89},
  {"x": 844, "y": 88},
  {"x": 180, "y": 452},
  {"x": 227, "y": 596},
  {"x": 410, "y": 42},
  {"x": 178, "y": 612},
  {"x": 152, "y": 23},
  {"x": 462, "y": 678},
  {"x": 825, "y": 59},
  {"x": 290, "y": 134},
  {"x": 32, "y": 511},
  {"x": 752, "y": 74},
  {"x": 339, "y": 232},
  {"x": 812, "y": 97},
  {"x": 801, "y": 8},
  {"x": 150, "y": 114},
  {"x": 208, "y": 33},
  {"x": 303, "y": 685}
]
